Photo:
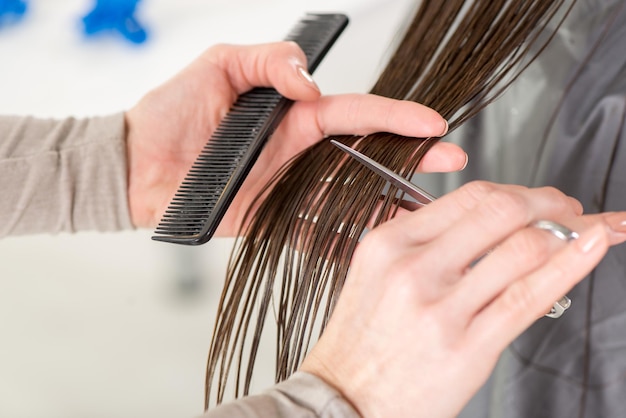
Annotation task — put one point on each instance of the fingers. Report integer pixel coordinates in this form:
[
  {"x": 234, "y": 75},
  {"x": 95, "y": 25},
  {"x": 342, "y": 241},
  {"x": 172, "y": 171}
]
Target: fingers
[
  {"x": 532, "y": 295},
  {"x": 521, "y": 254},
  {"x": 497, "y": 216},
  {"x": 361, "y": 114},
  {"x": 460, "y": 230},
  {"x": 443, "y": 157},
  {"x": 281, "y": 65},
  {"x": 482, "y": 214},
  {"x": 614, "y": 221},
  {"x": 391, "y": 287}
]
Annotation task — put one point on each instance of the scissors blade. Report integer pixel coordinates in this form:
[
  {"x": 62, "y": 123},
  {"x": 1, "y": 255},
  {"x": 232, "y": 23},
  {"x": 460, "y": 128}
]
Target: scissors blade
[{"x": 421, "y": 196}]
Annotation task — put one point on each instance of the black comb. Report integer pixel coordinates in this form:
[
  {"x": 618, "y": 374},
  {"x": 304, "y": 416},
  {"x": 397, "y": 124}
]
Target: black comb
[{"x": 212, "y": 182}]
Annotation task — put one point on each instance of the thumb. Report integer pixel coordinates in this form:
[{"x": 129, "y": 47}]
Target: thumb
[{"x": 282, "y": 65}]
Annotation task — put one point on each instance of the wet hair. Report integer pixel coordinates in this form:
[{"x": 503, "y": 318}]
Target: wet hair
[{"x": 293, "y": 255}]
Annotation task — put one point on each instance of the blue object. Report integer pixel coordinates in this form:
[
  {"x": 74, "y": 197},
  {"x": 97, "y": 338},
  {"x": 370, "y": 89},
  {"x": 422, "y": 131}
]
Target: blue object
[
  {"x": 11, "y": 11},
  {"x": 115, "y": 16}
]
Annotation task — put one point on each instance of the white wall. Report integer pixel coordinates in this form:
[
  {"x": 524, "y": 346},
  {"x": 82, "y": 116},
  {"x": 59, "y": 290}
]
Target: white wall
[{"x": 116, "y": 325}]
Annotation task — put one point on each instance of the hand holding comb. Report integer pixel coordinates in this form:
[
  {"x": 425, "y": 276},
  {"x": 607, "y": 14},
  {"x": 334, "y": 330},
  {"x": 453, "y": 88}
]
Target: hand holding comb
[{"x": 214, "y": 179}]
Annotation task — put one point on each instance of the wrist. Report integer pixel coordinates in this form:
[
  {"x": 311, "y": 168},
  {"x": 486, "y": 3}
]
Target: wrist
[
  {"x": 320, "y": 364},
  {"x": 142, "y": 177}
]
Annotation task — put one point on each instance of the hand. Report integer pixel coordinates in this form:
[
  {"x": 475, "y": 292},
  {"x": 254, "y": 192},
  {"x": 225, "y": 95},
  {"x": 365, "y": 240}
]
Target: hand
[
  {"x": 170, "y": 125},
  {"x": 416, "y": 330}
]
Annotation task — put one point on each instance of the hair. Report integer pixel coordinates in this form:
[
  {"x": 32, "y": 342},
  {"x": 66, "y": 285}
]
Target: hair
[{"x": 456, "y": 56}]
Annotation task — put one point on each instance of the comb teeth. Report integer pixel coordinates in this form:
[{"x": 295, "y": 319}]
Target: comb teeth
[{"x": 212, "y": 182}]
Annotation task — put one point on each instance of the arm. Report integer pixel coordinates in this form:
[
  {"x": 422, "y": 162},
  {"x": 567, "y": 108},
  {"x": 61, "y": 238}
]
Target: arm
[
  {"x": 121, "y": 171},
  {"x": 303, "y": 395},
  {"x": 62, "y": 175}
]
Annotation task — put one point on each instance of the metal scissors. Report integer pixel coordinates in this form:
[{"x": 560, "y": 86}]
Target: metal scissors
[{"x": 423, "y": 198}]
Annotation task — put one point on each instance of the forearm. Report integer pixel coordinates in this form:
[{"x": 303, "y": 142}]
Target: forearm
[
  {"x": 62, "y": 175},
  {"x": 301, "y": 396}
]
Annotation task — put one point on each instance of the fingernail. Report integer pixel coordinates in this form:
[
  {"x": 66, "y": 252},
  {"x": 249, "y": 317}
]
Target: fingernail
[
  {"x": 616, "y": 221},
  {"x": 466, "y": 161},
  {"x": 307, "y": 77},
  {"x": 589, "y": 240},
  {"x": 445, "y": 128}
]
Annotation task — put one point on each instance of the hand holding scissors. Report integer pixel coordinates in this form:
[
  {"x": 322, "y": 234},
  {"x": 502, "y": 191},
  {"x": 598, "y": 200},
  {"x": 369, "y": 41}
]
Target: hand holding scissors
[
  {"x": 423, "y": 198},
  {"x": 418, "y": 316}
]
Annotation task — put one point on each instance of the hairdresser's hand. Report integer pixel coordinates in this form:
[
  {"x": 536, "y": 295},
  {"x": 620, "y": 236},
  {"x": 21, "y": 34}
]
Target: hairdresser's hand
[
  {"x": 170, "y": 125},
  {"x": 417, "y": 331}
]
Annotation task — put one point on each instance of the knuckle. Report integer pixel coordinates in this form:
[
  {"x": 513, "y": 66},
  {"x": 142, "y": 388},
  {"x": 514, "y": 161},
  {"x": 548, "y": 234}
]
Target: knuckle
[
  {"x": 565, "y": 203},
  {"x": 390, "y": 116},
  {"x": 519, "y": 299},
  {"x": 553, "y": 192},
  {"x": 478, "y": 189},
  {"x": 562, "y": 268},
  {"x": 530, "y": 246},
  {"x": 375, "y": 245},
  {"x": 411, "y": 265},
  {"x": 504, "y": 205},
  {"x": 354, "y": 108},
  {"x": 415, "y": 280},
  {"x": 473, "y": 192},
  {"x": 292, "y": 48},
  {"x": 217, "y": 51}
]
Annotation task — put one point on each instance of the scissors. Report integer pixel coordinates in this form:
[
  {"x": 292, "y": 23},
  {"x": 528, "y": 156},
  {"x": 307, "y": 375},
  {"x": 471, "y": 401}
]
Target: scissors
[{"x": 423, "y": 198}]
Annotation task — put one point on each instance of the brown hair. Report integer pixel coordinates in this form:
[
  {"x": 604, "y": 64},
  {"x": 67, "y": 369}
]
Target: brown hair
[{"x": 456, "y": 56}]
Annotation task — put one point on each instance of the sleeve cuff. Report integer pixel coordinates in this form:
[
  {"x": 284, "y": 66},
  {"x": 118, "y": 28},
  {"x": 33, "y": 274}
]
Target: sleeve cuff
[{"x": 303, "y": 395}]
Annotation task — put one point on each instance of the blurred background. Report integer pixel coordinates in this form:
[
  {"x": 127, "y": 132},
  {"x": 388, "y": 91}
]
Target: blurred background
[{"x": 116, "y": 325}]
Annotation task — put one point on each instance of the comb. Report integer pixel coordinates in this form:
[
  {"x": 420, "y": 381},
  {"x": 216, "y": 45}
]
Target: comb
[{"x": 217, "y": 174}]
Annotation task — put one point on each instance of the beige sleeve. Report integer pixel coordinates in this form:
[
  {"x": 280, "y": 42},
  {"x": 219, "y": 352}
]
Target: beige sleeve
[
  {"x": 301, "y": 396},
  {"x": 62, "y": 175}
]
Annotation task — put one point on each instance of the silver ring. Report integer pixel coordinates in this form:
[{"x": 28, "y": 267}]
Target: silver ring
[
  {"x": 558, "y": 230},
  {"x": 565, "y": 234}
]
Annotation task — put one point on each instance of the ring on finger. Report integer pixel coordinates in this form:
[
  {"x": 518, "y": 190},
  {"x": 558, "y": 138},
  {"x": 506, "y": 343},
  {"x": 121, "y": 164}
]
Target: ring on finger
[
  {"x": 561, "y": 232},
  {"x": 564, "y": 234}
]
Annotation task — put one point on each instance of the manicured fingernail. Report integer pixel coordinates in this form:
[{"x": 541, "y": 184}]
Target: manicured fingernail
[
  {"x": 445, "y": 128},
  {"x": 466, "y": 161},
  {"x": 588, "y": 241},
  {"x": 616, "y": 221},
  {"x": 307, "y": 77}
]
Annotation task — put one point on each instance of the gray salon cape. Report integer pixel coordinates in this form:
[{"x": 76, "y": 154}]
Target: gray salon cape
[{"x": 562, "y": 123}]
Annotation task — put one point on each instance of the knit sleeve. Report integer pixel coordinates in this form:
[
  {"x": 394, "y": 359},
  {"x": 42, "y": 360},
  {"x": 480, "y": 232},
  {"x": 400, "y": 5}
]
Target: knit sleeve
[{"x": 63, "y": 175}]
